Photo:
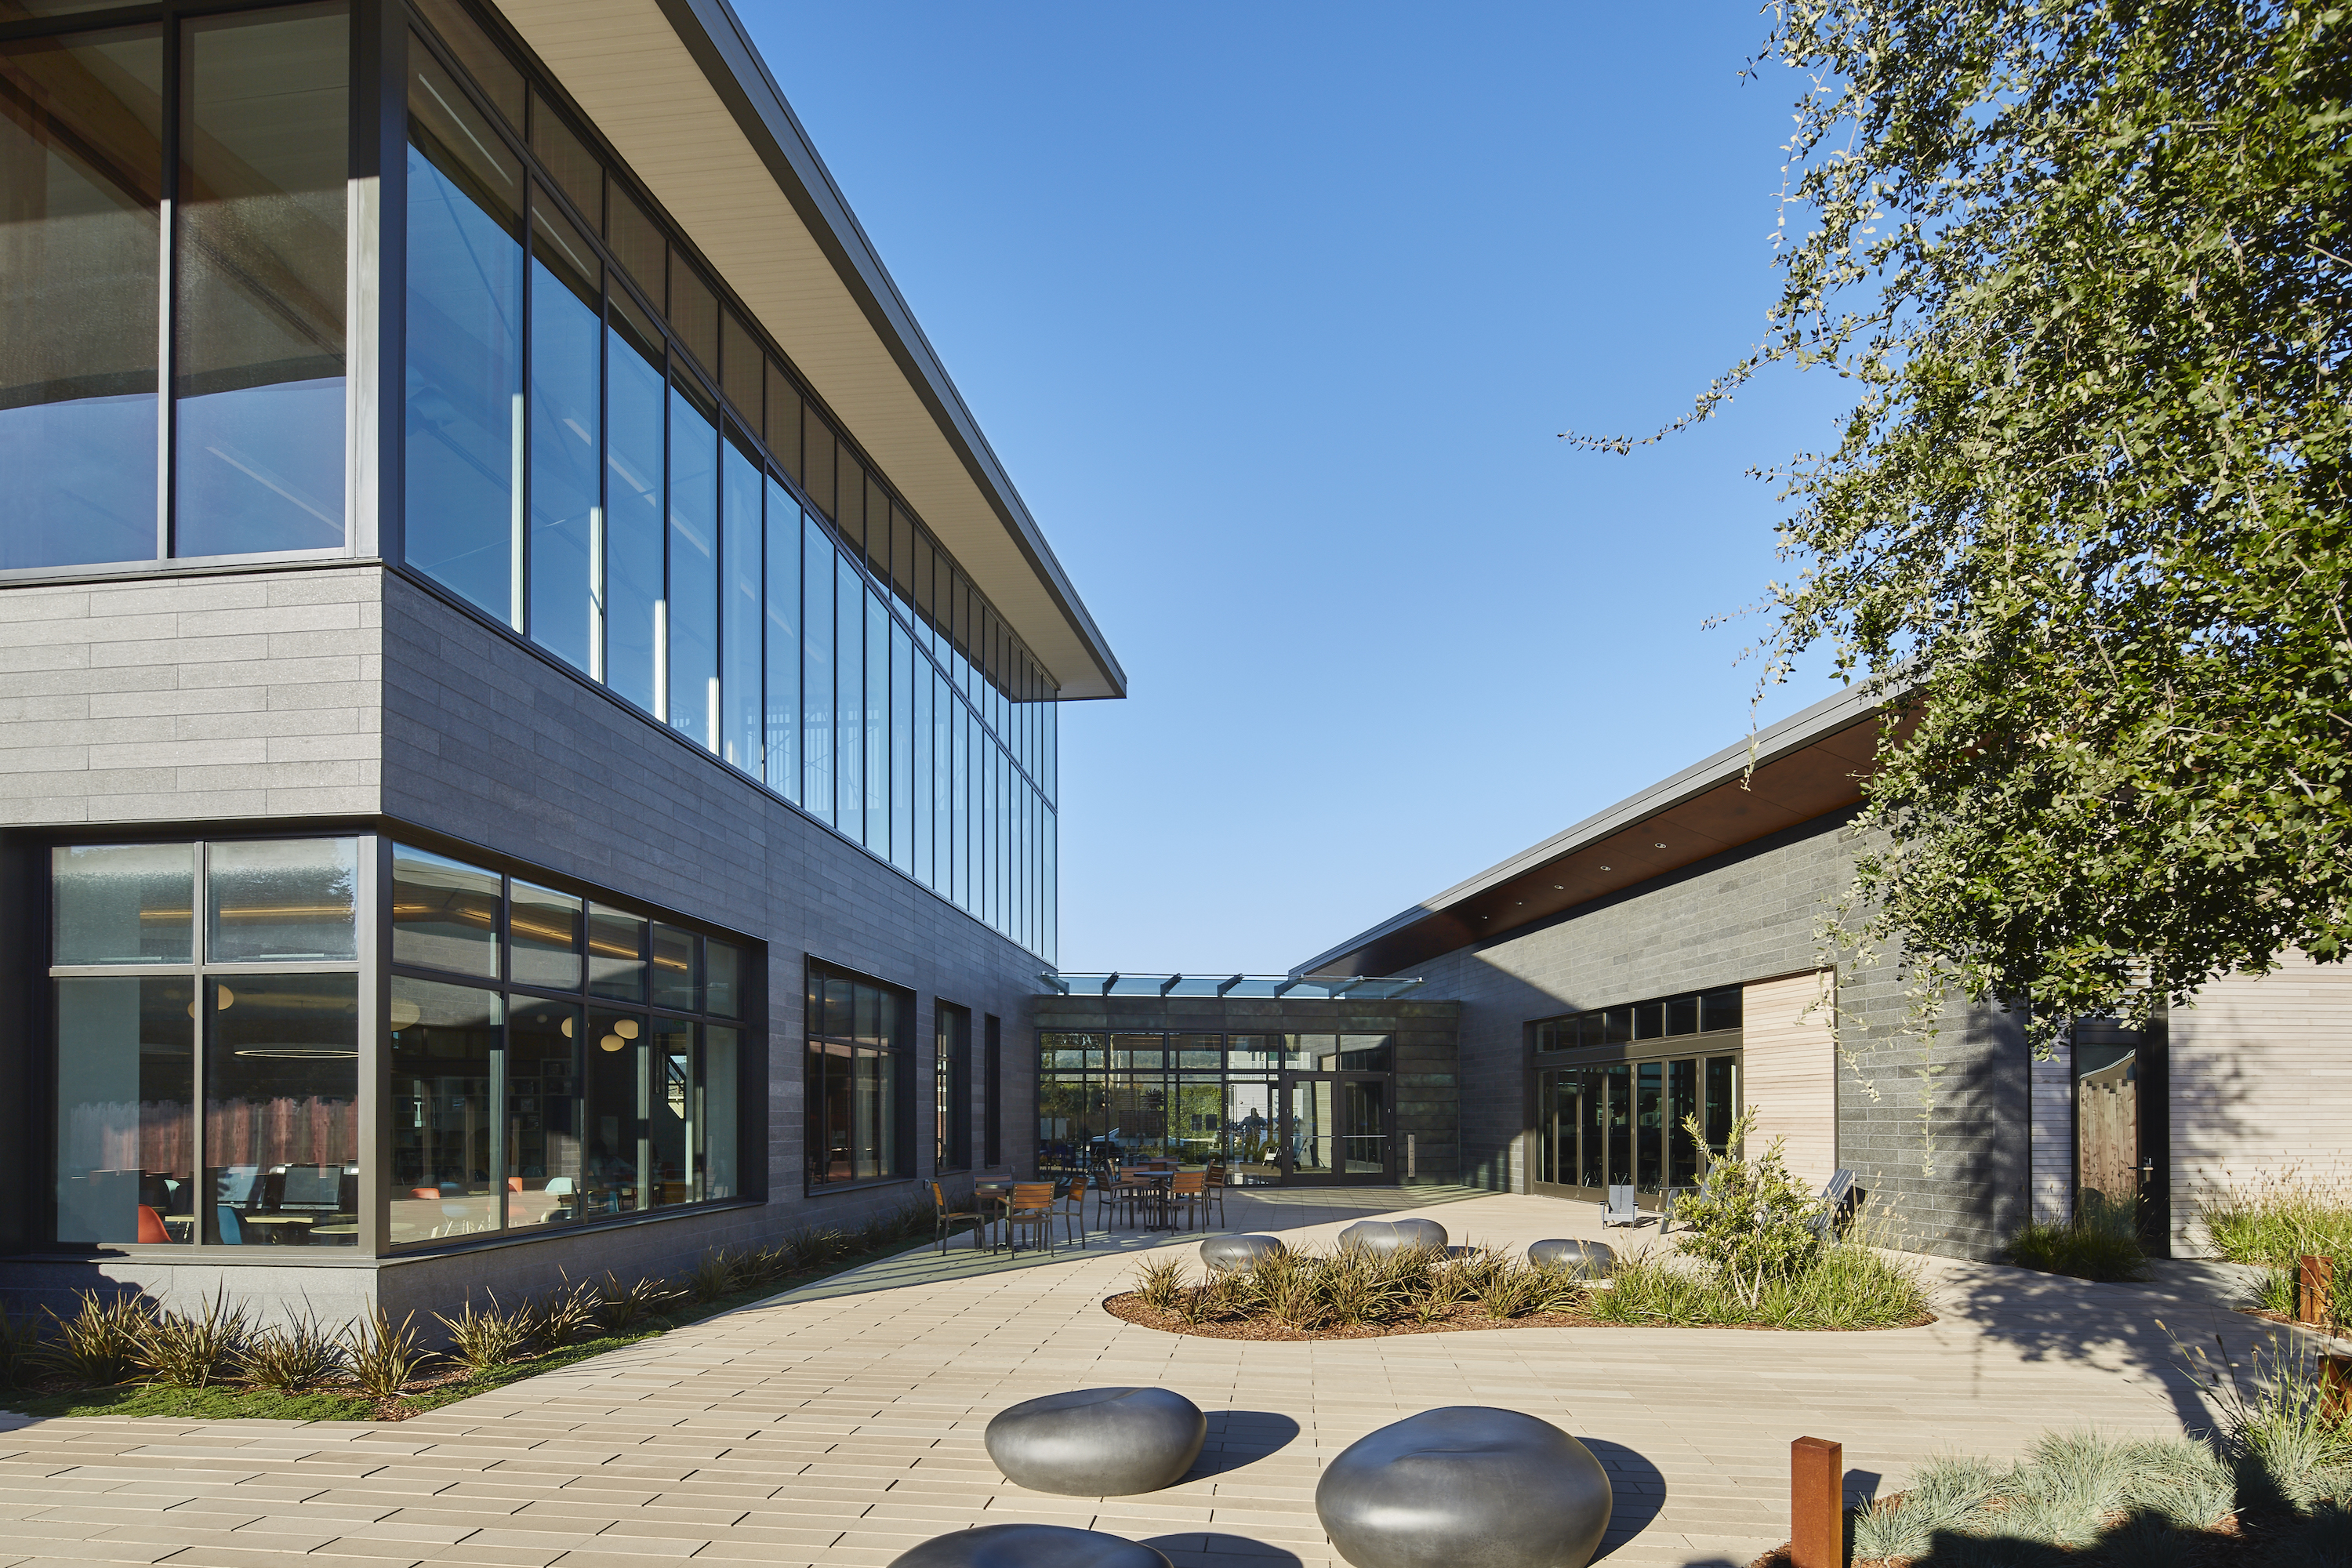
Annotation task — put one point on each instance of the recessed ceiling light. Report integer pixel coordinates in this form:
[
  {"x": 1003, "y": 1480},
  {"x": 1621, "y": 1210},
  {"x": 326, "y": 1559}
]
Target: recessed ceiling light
[
  {"x": 1558, "y": 889},
  {"x": 1604, "y": 867},
  {"x": 1657, "y": 847}
]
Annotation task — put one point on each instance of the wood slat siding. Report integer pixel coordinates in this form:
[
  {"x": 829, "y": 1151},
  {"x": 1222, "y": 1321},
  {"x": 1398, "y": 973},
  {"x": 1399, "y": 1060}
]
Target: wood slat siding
[
  {"x": 2054, "y": 1137},
  {"x": 1791, "y": 1076},
  {"x": 2260, "y": 1083}
]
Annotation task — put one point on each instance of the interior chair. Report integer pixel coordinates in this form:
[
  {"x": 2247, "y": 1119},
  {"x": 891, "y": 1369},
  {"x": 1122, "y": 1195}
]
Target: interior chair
[
  {"x": 231, "y": 1233},
  {"x": 1030, "y": 1209},
  {"x": 944, "y": 1217},
  {"x": 152, "y": 1226}
]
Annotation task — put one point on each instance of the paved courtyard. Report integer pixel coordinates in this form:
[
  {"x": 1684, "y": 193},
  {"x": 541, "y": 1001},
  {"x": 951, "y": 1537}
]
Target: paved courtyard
[{"x": 841, "y": 1423}]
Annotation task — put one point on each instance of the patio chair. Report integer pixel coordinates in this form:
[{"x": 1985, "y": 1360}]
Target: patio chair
[
  {"x": 1837, "y": 1205},
  {"x": 1030, "y": 1209},
  {"x": 1673, "y": 1196},
  {"x": 1107, "y": 1196},
  {"x": 1621, "y": 1208},
  {"x": 1216, "y": 1198},
  {"x": 1189, "y": 1190},
  {"x": 944, "y": 1217},
  {"x": 1076, "y": 1214}
]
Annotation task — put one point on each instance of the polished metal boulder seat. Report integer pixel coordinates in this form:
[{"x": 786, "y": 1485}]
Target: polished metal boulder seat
[
  {"x": 1097, "y": 1442},
  {"x": 1588, "y": 1259},
  {"x": 1239, "y": 1251},
  {"x": 1393, "y": 1234},
  {"x": 1465, "y": 1485},
  {"x": 1029, "y": 1546}
]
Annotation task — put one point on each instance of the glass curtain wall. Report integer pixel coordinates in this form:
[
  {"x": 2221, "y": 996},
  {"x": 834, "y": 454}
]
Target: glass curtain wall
[
  {"x": 552, "y": 1059},
  {"x": 860, "y": 1083},
  {"x": 1613, "y": 1101},
  {"x": 1267, "y": 1106},
  {"x": 699, "y": 538},
  {"x": 249, "y": 140}
]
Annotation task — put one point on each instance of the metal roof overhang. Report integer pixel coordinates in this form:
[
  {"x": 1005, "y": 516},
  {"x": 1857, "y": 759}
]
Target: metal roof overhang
[
  {"x": 1806, "y": 765},
  {"x": 677, "y": 88}
]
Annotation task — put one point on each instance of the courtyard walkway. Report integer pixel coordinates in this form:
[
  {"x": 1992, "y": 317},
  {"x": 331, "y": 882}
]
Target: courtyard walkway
[{"x": 841, "y": 1423}]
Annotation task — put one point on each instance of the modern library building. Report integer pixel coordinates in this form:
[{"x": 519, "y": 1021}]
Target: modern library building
[{"x": 528, "y": 702}]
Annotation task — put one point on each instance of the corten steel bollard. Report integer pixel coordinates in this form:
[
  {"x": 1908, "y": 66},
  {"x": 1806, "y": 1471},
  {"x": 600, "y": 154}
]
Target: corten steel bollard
[
  {"x": 2335, "y": 1386},
  {"x": 2315, "y": 1288},
  {"x": 1816, "y": 1504}
]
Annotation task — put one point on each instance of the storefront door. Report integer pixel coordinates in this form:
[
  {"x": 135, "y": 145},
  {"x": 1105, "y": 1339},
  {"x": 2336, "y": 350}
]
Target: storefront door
[{"x": 1337, "y": 1128}]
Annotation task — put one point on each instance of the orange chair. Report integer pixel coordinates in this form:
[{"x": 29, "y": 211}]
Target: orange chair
[
  {"x": 944, "y": 1217},
  {"x": 1189, "y": 1190},
  {"x": 152, "y": 1226},
  {"x": 1076, "y": 1214}
]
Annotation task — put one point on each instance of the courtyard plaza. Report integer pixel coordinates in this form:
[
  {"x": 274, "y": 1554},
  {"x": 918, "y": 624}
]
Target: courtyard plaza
[{"x": 841, "y": 1423}]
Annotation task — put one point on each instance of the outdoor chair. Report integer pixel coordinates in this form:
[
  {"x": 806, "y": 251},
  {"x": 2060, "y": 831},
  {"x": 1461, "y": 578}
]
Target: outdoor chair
[
  {"x": 1621, "y": 1208},
  {"x": 1031, "y": 1210},
  {"x": 944, "y": 1217},
  {"x": 1108, "y": 1194},
  {"x": 1189, "y": 1190},
  {"x": 1837, "y": 1205},
  {"x": 1216, "y": 1198},
  {"x": 1673, "y": 1196},
  {"x": 1074, "y": 1216}
]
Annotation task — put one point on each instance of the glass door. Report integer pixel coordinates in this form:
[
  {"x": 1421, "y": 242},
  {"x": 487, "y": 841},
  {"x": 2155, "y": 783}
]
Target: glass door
[{"x": 1335, "y": 1127}]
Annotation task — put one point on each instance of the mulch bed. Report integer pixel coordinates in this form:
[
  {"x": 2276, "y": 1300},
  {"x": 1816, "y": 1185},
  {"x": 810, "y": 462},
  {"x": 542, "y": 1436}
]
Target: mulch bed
[{"x": 1127, "y": 1308}]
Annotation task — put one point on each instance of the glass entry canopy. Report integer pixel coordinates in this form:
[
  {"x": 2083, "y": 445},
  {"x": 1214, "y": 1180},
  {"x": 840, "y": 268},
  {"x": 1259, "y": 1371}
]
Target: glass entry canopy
[{"x": 1305, "y": 1109}]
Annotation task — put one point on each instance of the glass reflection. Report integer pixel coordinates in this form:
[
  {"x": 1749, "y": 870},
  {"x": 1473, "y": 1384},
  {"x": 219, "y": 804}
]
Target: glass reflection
[
  {"x": 259, "y": 281},
  {"x": 281, "y": 1111},
  {"x": 566, "y": 426},
  {"x": 280, "y": 900},
  {"x": 782, "y": 671},
  {"x": 122, "y": 903},
  {"x": 543, "y": 1142},
  {"x": 743, "y": 725},
  {"x": 816, "y": 669},
  {"x": 445, "y": 914},
  {"x": 544, "y": 936},
  {"x": 125, "y": 1094},
  {"x": 693, "y": 602},
  {"x": 444, "y": 1180},
  {"x": 82, "y": 168},
  {"x": 632, "y": 497}
]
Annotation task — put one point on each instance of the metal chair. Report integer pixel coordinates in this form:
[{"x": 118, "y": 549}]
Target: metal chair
[
  {"x": 1216, "y": 1198},
  {"x": 944, "y": 1217},
  {"x": 1030, "y": 1208},
  {"x": 1837, "y": 1201},
  {"x": 1076, "y": 1214},
  {"x": 1107, "y": 1196}
]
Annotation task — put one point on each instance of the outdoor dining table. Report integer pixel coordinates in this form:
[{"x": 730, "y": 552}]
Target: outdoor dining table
[{"x": 1152, "y": 1187}]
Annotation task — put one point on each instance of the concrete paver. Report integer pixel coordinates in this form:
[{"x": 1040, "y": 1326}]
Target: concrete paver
[{"x": 841, "y": 1423}]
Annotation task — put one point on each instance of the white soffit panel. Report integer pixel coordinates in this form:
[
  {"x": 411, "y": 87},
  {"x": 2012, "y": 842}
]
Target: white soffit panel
[{"x": 624, "y": 64}]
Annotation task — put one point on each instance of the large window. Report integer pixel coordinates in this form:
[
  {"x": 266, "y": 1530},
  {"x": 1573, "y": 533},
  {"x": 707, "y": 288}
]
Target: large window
[
  {"x": 859, "y": 1088},
  {"x": 950, "y": 1087},
  {"x": 548, "y": 1060},
  {"x": 699, "y": 538},
  {"x": 1267, "y": 1106},
  {"x": 222, "y": 975},
  {"x": 601, "y": 1078},
  {"x": 249, "y": 141},
  {"x": 1614, "y": 1100}
]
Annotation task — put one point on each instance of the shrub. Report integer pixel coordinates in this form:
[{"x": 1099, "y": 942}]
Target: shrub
[
  {"x": 1162, "y": 1280},
  {"x": 2068, "y": 1491},
  {"x": 1752, "y": 1222},
  {"x": 480, "y": 1341},
  {"x": 717, "y": 1275},
  {"x": 2275, "y": 1221},
  {"x": 564, "y": 1316},
  {"x": 2084, "y": 1250},
  {"x": 99, "y": 1345},
  {"x": 297, "y": 1356},
  {"x": 1845, "y": 1285},
  {"x": 190, "y": 1350},
  {"x": 2280, "y": 1421},
  {"x": 384, "y": 1355},
  {"x": 623, "y": 1307}
]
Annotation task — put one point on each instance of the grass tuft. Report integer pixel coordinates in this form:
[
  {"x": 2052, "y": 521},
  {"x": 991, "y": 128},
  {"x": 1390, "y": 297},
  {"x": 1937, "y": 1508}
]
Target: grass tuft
[
  {"x": 2084, "y": 1250},
  {"x": 1845, "y": 1286},
  {"x": 291, "y": 1359},
  {"x": 186, "y": 1350},
  {"x": 2274, "y": 1221}
]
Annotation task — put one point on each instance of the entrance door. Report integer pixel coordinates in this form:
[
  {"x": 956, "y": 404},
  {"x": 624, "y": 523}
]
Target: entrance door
[
  {"x": 1336, "y": 1128},
  {"x": 2120, "y": 1133}
]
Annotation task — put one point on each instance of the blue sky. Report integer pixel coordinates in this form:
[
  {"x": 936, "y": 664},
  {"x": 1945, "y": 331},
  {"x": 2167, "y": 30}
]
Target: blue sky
[{"x": 1274, "y": 314}]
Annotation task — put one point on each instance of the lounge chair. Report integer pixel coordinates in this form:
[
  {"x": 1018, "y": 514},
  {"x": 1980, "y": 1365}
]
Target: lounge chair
[
  {"x": 1621, "y": 1208},
  {"x": 1837, "y": 1201},
  {"x": 1675, "y": 1196}
]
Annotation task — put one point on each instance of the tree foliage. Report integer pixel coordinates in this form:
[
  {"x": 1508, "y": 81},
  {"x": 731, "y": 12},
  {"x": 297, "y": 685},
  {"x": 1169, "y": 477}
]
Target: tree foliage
[{"x": 2085, "y": 526}]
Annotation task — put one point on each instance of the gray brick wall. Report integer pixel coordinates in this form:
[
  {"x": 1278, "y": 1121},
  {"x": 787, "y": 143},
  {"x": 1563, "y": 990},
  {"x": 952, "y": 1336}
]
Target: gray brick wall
[{"x": 1937, "y": 1129}]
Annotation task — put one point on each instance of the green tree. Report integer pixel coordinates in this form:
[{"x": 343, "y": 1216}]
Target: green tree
[{"x": 2085, "y": 526}]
